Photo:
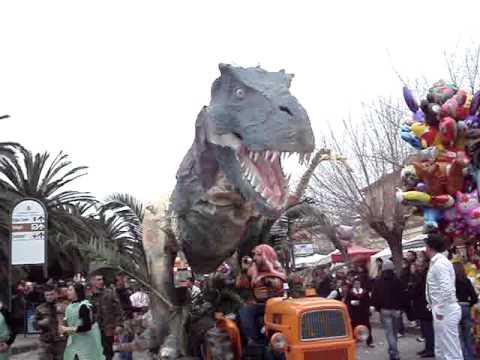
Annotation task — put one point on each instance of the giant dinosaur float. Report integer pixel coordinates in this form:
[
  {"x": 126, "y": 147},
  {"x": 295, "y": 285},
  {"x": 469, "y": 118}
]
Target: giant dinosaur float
[
  {"x": 230, "y": 184},
  {"x": 232, "y": 173}
]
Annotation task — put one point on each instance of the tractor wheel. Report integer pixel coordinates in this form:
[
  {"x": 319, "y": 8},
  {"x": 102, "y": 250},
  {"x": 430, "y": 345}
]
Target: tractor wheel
[{"x": 218, "y": 345}]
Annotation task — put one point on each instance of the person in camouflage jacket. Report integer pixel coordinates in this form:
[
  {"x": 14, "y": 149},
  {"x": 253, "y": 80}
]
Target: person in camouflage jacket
[
  {"x": 48, "y": 317},
  {"x": 107, "y": 311}
]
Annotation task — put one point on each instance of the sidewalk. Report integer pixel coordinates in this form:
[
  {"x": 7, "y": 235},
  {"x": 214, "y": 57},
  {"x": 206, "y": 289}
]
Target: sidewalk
[{"x": 24, "y": 344}]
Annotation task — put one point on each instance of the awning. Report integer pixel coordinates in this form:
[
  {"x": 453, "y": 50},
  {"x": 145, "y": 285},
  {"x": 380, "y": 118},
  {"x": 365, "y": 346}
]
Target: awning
[
  {"x": 354, "y": 251},
  {"x": 312, "y": 260},
  {"x": 416, "y": 244}
]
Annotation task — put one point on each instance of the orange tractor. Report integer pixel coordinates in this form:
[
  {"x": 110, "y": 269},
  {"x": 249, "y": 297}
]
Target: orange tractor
[{"x": 305, "y": 328}]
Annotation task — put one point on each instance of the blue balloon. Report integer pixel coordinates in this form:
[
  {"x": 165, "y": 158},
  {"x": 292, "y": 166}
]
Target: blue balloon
[
  {"x": 431, "y": 217},
  {"x": 408, "y": 136}
]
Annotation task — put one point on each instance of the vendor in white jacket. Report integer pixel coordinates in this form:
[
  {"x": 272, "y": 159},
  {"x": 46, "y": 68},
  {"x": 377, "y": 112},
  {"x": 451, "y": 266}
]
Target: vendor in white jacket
[{"x": 441, "y": 296}]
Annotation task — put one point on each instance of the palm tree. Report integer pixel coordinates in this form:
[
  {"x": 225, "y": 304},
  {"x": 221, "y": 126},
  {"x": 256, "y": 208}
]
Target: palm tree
[
  {"x": 23, "y": 174},
  {"x": 118, "y": 242},
  {"x": 7, "y": 150}
]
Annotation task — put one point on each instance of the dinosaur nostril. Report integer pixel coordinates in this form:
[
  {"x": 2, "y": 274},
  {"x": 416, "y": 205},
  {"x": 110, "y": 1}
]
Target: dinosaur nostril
[{"x": 285, "y": 109}]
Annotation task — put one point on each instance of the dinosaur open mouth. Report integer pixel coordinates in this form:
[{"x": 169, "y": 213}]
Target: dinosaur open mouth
[{"x": 263, "y": 171}]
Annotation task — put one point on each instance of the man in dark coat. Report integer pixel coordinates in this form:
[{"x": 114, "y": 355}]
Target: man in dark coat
[
  {"x": 323, "y": 282},
  {"x": 107, "y": 311},
  {"x": 416, "y": 294},
  {"x": 405, "y": 276},
  {"x": 123, "y": 295},
  {"x": 388, "y": 297}
]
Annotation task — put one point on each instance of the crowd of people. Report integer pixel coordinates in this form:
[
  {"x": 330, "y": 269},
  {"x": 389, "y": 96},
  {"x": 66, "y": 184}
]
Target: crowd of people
[
  {"x": 78, "y": 319},
  {"x": 421, "y": 294},
  {"x": 85, "y": 319}
]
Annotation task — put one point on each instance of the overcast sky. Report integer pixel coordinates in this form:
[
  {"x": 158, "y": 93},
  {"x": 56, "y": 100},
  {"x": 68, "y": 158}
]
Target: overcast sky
[{"x": 118, "y": 84}]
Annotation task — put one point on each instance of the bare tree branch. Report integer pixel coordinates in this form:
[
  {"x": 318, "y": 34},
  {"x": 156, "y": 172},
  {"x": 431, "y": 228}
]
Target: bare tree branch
[{"x": 366, "y": 191}]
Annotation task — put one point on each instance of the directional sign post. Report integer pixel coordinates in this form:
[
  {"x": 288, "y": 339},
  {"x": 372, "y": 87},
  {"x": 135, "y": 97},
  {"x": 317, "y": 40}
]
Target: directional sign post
[
  {"x": 28, "y": 233},
  {"x": 28, "y": 236}
]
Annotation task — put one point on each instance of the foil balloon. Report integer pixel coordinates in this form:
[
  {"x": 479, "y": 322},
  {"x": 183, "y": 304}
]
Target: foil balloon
[
  {"x": 409, "y": 137},
  {"x": 448, "y": 131},
  {"x": 441, "y": 91},
  {"x": 431, "y": 111},
  {"x": 431, "y": 218},
  {"x": 443, "y": 180},
  {"x": 468, "y": 208},
  {"x": 466, "y": 202},
  {"x": 473, "y": 221},
  {"x": 344, "y": 232},
  {"x": 428, "y": 135},
  {"x": 413, "y": 105},
  {"x": 421, "y": 187},
  {"x": 453, "y": 224},
  {"x": 473, "y": 119},
  {"x": 458, "y": 106}
]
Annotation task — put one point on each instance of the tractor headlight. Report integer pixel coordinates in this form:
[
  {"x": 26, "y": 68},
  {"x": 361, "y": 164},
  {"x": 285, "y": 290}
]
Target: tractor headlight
[{"x": 278, "y": 342}]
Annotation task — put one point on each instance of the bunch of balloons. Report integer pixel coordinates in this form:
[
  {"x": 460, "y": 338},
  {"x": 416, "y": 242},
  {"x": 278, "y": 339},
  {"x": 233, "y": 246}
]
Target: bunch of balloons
[{"x": 443, "y": 179}]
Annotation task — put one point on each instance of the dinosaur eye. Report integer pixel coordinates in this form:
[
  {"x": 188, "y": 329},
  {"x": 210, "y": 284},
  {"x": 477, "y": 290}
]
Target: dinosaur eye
[{"x": 240, "y": 93}]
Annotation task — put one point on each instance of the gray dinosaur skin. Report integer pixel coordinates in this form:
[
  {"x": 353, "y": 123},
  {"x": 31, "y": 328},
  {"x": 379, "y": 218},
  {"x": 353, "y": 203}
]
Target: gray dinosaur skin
[{"x": 251, "y": 111}]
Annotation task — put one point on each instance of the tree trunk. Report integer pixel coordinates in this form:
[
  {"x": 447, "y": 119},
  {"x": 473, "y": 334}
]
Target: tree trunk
[
  {"x": 395, "y": 244},
  {"x": 393, "y": 237}
]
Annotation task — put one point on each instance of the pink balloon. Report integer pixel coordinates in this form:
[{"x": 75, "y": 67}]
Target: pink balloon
[
  {"x": 450, "y": 214},
  {"x": 466, "y": 202}
]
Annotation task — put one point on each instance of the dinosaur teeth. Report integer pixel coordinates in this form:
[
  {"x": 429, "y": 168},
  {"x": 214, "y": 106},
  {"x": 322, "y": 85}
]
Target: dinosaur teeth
[
  {"x": 267, "y": 154},
  {"x": 255, "y": 157},
  {"x": 264, "y": 194},
  {"x": 307, "y": 158},
  {"x": 251, "y": 154},
  {"x": 255, "y": 181},
  {"x": 287, "y": 179},
  {"x": 301, "y": 158},
  {"x": 259, "y": 187},
  {"x": 275, "y": 156}
]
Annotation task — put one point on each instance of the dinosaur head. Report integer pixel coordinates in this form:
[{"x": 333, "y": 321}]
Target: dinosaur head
[{"x": 253, "y": 121}]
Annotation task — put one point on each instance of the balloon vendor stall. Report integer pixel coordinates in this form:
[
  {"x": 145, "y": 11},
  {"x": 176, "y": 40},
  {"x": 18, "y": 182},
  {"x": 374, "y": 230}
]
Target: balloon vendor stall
[{"x": 442, "y": 179}]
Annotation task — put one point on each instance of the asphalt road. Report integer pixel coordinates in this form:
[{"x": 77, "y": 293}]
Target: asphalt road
[{"x": 408, "y": 347}]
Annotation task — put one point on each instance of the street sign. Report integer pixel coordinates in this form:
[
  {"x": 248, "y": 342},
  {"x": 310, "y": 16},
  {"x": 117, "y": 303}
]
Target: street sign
[
  {"x": 28, "y": 233},
  {"x": 303, "y": 249}
]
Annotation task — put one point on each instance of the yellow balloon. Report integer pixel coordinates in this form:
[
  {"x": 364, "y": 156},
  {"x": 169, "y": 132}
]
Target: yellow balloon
[
  {"x": 417, "y": 196},
  {"x": 418, "y": 128}
]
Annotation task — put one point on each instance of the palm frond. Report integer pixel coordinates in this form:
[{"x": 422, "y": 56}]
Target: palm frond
[{"x": 118, "y": 200}]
